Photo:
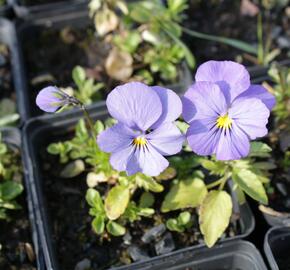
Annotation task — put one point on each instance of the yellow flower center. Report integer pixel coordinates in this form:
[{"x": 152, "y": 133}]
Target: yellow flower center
[
  {"x": 224, "y": 121},
  {"x": 139, "y": 141}
]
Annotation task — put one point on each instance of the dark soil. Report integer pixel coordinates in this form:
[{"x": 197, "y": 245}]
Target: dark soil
[
  {"x": 51, "y": 55},
  {"x": 284, "y": 261},
  {"x": 16, "y": 248},
  {"x": 15, "y": 237},
  {"x": 6, "y": 83},
  {"x": 223, "y": 18},
  {"x": 71, "y": 224}
]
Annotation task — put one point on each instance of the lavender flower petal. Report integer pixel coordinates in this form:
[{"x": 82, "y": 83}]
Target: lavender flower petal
[
  {"x": 115, "y": 138},
  {"x": 233, "y": 144},
  {"x": 260, "y": 92},
  {"x": 232, "y": 77},
  {"x": 203, "y": 100},
  {"x": 135, "y": 104},
  {"x": 119, "y": 160},
  {"x": 171, "y": 105},
  {"x": 146, "y": 160},
  {"x": 167, "y": 139},
  {"x": 203, "y": 136},
  {"x": 50, "y": 99},
  {"x": 251, "y": 116}
]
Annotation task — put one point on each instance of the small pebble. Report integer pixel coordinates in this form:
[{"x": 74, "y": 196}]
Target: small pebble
[
  {"x": 153, "y": 233},
  {"x": 85, "y": 264},
  {"x": 165, "y": 245},
  {"x": 137, "y": 254}
]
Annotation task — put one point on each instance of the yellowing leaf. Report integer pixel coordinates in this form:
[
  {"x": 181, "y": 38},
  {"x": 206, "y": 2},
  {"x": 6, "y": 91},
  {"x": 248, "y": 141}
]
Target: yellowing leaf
[
  {"x": 73, "y": 169},
  {"x": 106, "y": 21},
  {"x": 184, "y": 194},
  {"x": 251, "y": 184},
  {"x": 116, "y": 202},
  {"x": 119, "y": 65},
  {"x": 214, "y": 216}
]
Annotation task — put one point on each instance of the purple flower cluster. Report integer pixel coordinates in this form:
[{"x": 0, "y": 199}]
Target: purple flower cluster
[
  {"x": 223, "y": 109},
  {"x": 145, "y": 131}
]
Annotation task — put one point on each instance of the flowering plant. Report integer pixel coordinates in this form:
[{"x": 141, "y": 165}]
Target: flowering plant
[
  {"x": 10, "y": 179},
  {"x": 224, "y": 113}
]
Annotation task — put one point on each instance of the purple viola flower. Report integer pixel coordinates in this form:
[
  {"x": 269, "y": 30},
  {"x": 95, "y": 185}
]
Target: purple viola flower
[
  {"x": 225, "y": 111},
  {"x": 50, "y": 99},
  {"x": 145, "y": 131}
]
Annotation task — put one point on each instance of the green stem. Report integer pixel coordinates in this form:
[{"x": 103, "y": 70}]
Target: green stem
[
  {"x": 261, "y": 53},
  {"x": 214, "y": 184},
  {"x": 224, "y": 180},
  {"x": 221, "y": 182},
  {"x": 229, "y": 41},
  {"x": 89, "y": 121}
]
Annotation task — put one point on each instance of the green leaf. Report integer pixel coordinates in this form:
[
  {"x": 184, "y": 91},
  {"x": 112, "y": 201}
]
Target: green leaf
[
  {"x": 214, "y": 216},
  {"x": 140, "y": 12},
  {"x": 229, "y": 41},
  {"x": 172, "y": 225},
  {"x": 187, "y": 53},
  {"x": 99, "y": 127},
  {"x": 79, "y": 75},
  {"x": 148, "y": 183},
  {"x": 94, "y": 199},
  {"x": 54, "y": 148},
  {"x": 115, "y": 228},
  {"x": 215, "y": 167},
  {"x": 3, "y": 148},
  {"x": 9, "y": 119},
  {"x": 167, "y": 174},
  {"x": 98, "y": 224},
  {"x": 184, "y": 218},
  {"x": 259, "y": 149},
  {"x": 184, "y": 194},
  {"x": 249, "y": 182},
  {"x": 128, "y": 43},
  {"x": 117, "y": 201},
  {"x": 3, "y": 214},
  {"x": 265, "y": 165},
  {"x": 73, "y": 169},
  {"x": 9, "y": 190},
  {"x": 240, "y": 194},
  {"x": 146, "y": 200}
]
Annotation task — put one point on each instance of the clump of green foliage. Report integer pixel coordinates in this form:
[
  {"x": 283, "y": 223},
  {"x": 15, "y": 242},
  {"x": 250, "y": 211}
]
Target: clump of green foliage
[
  {"x": 10, "y": 179},
  {"x": 280, "y": 75},
  {"x": 280, "y": 87},
  {"x": 147, "y": 36},
  {"x": 114, "y": 202},
  {"x": 87, "y": 90}
]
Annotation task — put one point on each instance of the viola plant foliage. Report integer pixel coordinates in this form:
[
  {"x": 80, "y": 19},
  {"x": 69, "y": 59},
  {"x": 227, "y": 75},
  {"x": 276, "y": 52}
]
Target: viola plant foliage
[
  {"x": 279, "y": 137},
  {"x": 10, "y": 180},
  {"x": 145, "y": 35},
  {"x": 128, "y": 175},
  {"x": 87, "y": 90}
]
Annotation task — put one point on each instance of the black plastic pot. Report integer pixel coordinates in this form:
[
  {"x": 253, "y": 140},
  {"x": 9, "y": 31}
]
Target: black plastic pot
[
  {"x": 236, "y": 255},
  {"x": 78, "y": 19},
  {"x": 9, "y": 38},
  {"x": 12, "y": 137},
  {"x": 41, "y": 130},
  {"x": 23, "y": 11},
  {"x": 277, "y": 248},
  {"x": 260, "y": 72},
  {"x": 7, "y": 9}
]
